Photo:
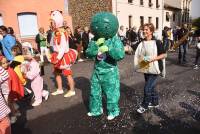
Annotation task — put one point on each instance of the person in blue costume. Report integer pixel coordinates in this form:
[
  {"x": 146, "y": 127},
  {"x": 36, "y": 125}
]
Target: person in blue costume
[
  {"x": 7, "y": 43},
  {"x": 106, "y": 49}
]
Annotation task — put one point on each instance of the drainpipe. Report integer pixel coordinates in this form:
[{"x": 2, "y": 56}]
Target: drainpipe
[
  {"x": 163, "y": 14},
  {"x": 66, "y": 7}
]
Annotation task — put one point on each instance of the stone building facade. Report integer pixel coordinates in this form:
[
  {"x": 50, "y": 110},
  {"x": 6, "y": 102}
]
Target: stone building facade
[{"x": 82, "y": 10}]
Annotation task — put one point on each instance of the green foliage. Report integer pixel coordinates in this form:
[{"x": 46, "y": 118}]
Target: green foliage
[{"x": 196, "y": 23}]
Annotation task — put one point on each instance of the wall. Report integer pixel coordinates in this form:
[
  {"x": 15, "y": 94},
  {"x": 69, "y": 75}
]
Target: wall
[
  {"x": 122, "y": 9},
  {"x": 10, "y": 8},
  {"x": 82, "y": 10}
]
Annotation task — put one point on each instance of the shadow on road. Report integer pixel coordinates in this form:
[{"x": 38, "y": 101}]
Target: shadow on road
[
  {"x": 74, "y": 120},
  {"x": 20, "y": 126}
]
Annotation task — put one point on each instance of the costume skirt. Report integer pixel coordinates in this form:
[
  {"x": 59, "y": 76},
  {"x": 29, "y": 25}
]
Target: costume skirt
[{"x": 66, "y": 61}]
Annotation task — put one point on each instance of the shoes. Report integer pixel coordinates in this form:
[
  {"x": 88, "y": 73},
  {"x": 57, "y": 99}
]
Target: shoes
[
  {"x": 70, "y": 94},
  {"x": 45, "y": 94},
  {"x": 80, "y": 60},
  {"x": 95, "y": 114},
  {"x": 196, "y": 67},
  {"x": 90, "y": 114},
  {"x": 111, "y": 117},
  {"x": 13, "y": 119},
  {"x": 141, "y": 110},
  {"x": 57, "y": 92},
  {"x": 28, "y": 90},
  {"x": 36, "y": 103},
  {"x": 153, "y": 105}
]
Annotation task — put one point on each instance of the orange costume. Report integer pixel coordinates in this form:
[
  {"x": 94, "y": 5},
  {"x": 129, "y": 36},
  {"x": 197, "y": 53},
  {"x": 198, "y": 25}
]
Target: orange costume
[{"x": 62, "y": 57}]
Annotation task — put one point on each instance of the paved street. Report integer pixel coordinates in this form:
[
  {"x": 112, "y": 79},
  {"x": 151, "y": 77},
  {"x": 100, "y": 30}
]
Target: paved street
[{"x": 179, "y": 111}]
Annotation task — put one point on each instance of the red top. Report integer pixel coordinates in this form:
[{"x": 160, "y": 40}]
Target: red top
[{"x": 17, "y": 89}]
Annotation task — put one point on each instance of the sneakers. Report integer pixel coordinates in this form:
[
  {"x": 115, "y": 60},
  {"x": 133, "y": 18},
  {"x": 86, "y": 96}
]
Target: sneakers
[
  {"x": 153, "y": 105},
  {"x": 141, "y": 110},
  {"x": 13, "y": 119},
  {"x": 92, "y": 114},
  {"x": 111, "y": 117},
  {"x": 97, "y": 114},
  {"x": 45, "y": 94},
  {"x": 57, "y": 92},
  {"x": 196, "y": 67},
  {"x": 36, "y": 103},
  {"x": 80, "y": 60},
  {"x": 70, "y": 94},
  {"x": 28, "y": 90}
]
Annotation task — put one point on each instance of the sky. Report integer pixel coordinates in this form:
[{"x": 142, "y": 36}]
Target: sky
[{"x": 195, "y": 8}]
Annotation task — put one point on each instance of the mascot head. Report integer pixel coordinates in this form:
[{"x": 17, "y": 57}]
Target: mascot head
[
  {"x": 104, "y": 25},
  {"x": 57, "y": 17}
]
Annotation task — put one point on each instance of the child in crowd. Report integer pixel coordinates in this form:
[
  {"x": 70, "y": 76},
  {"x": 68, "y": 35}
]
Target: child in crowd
[
  {"x": 4, "y": 87},
  {"x": 16, "y": 64},
  {"x": 33, "y": 74},
  {"x": 5, "y": 127},
  {"x": 16, "y": 89},
  {"x": 4, "y": 109}
]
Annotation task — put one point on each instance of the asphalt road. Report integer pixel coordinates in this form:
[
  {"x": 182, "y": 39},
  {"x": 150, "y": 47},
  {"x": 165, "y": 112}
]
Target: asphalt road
[{"x": 179, "y": 111}]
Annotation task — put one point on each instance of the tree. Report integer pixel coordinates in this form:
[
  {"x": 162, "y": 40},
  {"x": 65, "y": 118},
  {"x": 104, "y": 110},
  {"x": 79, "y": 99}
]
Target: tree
[{"x": 196, "y": 23}]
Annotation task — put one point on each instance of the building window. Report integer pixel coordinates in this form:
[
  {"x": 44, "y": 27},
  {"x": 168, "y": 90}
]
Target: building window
[
  {"x": 183, "y": 18},
  {"x": 27, "y": 24},
  {"x": 157, "y": 4},
  {"x": 150, "y": 3},
  {"x": 150, "y": 20},
  {"x": 1, "y": 20},
  {"x": 130, "y": 21},
  {"x": 167, "y": 16},
  {"x": 157, "y": 22},
  {"x": 141, "y": 20},
  {"x": 130, "y": 1},
  {"x": 174, "y": 17},
  {"x": 141, "y": 2}
]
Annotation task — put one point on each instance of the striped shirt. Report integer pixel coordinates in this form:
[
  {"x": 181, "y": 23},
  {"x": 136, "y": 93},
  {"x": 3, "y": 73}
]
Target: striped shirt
[
  {"x": 4, "y": 86},
  {"x": 3, "y": 75},
  {"x": 4, "y": 109}
]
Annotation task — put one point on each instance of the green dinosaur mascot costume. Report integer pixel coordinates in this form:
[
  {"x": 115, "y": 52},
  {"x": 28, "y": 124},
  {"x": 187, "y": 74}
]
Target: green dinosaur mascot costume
[{"x": 106, "y": 48}]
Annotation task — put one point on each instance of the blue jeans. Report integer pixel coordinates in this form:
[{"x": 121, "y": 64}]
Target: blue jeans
[
  {"x": 150, "y": 94},
  {"x": 182, "y": 57},
  {"x": 166, "y": 44}
]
